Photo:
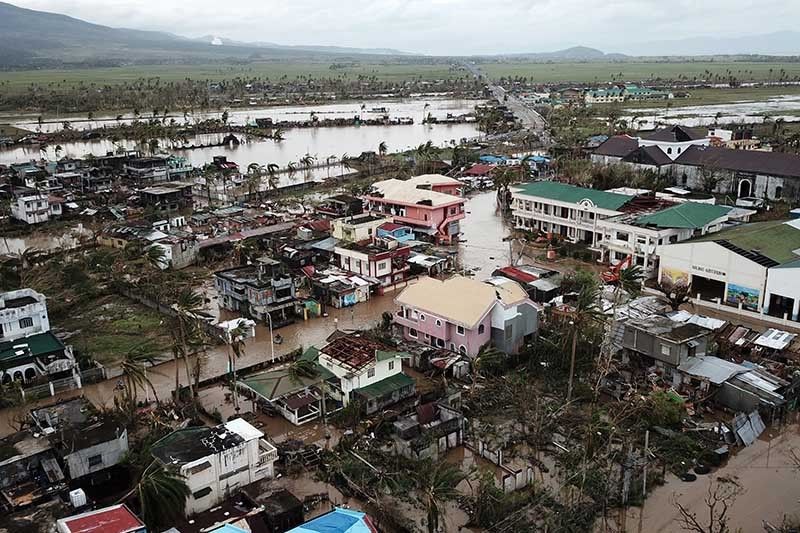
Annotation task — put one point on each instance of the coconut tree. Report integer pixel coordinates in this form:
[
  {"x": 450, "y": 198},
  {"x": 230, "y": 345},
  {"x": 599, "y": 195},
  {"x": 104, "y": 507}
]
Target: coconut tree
[
  {"x": 436, "y": 485},
  {"x": 255, "y": 172},
  {"x": 383, "y": 148},
  {"x": 272, "y": 175},
  {"x": 236, "y": 338},
  {"x": 585, "y": 312},
  {"x": 278, "y": 135},
  {"x": 162, "y": 493},
  {"x": 307, "y": 161},
  {"x": 488, "y": 357},
  {"x": 187, "y": 333},
  {"x": 134, "y": 368}
]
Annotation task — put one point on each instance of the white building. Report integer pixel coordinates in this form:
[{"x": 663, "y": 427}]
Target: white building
[
  {"x": 22, "y": 313},
  {"x": 366, "y": 370},
  {"x": 217, "y": 462},
  {"x": 35, "y": 207},
  {"x": 617, "y": 225},
  {"x": 357, "y": 228},
  {"x": 753, "y": 268}
]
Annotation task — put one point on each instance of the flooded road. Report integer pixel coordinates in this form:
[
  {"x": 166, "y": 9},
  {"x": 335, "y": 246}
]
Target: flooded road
[
  {"x": 481, "y": 248},
  {"x": 765, "y": 470}
]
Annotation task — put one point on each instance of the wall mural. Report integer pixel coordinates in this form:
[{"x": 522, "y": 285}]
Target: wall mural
[
  {"x": 746, "y": 296},
  {"x": 674, "y": 277}
]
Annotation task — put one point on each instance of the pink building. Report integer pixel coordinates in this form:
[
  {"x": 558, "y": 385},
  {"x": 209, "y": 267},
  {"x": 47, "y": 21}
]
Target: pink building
[
  {"x": 462, "y": 315},
  {"x": 431, "y": 204}
]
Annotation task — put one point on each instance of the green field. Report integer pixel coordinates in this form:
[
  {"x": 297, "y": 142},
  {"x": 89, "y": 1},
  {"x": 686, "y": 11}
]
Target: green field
[
  {"x": 632, "y": 71},
  {"x": 19, "y": 80},
  {"x": 721, "y": 96}
]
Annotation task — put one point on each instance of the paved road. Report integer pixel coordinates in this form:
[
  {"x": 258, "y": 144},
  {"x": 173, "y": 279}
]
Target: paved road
[{"x": 529, "y": 118}]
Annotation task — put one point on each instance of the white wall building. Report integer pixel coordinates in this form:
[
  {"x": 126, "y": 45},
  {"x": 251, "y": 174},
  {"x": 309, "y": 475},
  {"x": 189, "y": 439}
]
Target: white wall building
[
  {"x": 753, "y": 267},
  {"x": 22, "y": 313},
  {"x": 218, "y": 461},
  {"x": 35, "y": 208},
  {"x": 675, "y": 140}
]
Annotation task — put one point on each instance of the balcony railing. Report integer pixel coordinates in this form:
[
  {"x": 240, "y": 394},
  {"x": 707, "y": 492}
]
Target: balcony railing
[{"x": 267, "y": 453}]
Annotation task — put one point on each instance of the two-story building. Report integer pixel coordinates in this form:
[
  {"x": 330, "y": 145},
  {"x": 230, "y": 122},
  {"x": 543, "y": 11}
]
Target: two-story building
[
  {"x": 144, "y": 170},
  {"x": 429, "y": 432},
  {"x": 618, "y": 225},
  {"x": 218, "y": 461},
  {"x": 367, "y": 371},
  {"x": 264, "y": 291},
  {"x": 35, "y": 207},
  {"x": 463, "y": 314},
  {"x": 382, "y": 260},
  {"x": 23, "y": 312},
  {"x": 87, "y": 443},
  {"x": 431, "y": 204},
  {"x": 170, "y": 196},
  {"x": 357, "y": 228}
]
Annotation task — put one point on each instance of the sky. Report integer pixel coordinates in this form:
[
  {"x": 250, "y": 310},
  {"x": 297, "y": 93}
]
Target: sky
[{"x": 442, "y": 27}]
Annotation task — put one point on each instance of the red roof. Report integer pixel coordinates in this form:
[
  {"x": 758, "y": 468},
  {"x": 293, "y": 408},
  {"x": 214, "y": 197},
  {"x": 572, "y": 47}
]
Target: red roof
[
  {"x": 318, "y": 225},
  {"x": 116, "y": 519},
  {"x": 390, "y": 226},
  {"x": 479, "y": 170},
  {"x": 517, "y": 274}
]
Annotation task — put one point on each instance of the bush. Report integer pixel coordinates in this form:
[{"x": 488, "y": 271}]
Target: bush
[{"x": 664, "y": 410}]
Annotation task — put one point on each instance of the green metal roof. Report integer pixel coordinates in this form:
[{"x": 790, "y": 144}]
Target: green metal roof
[
  {"x": 383, "y": 356},
  {"x": 273, "y": 384},
  {"x": 386, "y": 386},
  {"x": 690, "y": 215},
  {"x": 40, "y": 344},
  {"x": 773, "y": 239},
  {"x": 562, "y": 192}
]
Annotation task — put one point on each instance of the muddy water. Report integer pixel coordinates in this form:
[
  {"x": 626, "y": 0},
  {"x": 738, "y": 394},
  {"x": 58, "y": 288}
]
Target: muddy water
[
  {"x": 70, "y": 238},
  {"x": 481, "y": 248},
  {"x": 416, "y": 107},
  {"x": 745, "y": 112},
  {"x": 765, "y": 470},
  {"x": 319, "y": 142}
]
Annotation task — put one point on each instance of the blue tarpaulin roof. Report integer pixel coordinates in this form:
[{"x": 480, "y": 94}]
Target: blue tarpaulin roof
[{"x": 338, "y": 521}]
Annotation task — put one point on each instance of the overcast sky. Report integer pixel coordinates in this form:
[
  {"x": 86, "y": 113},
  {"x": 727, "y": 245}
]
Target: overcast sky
[{"x": 441, "y": 26}]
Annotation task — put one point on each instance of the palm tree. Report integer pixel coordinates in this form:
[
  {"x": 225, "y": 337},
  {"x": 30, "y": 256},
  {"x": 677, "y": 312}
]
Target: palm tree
[
  {"x": 291, "y": 167},
  {"x": 383, "y": 148},
  {"x": 236, "y": 343},
  {"x": 162, "y": 493},
  {"x": 278, "y": 135},
  {"x": 272, "y": 172},
  {"x": 134, "y": 368},
  {"x": 307, "y": 161},
  {"x": 188, "y": 332},
  {"x": 436, "y": 484},
  {"x": 585, "y": 312},
  {"x": 488, "y": 357},
  {"x": 255, "y": 171},
  {"x": 58, "y": 149}
]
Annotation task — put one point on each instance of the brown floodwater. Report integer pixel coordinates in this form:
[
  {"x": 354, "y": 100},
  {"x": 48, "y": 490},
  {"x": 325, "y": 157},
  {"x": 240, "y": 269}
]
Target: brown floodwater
[
  {"x": 481, "y": 248},
  {"x": 765, "y": 470}
]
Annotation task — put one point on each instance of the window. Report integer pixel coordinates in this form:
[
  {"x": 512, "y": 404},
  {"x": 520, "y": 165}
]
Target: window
[
  {"x": 382, "y": 266},
  {"x": 481, "y": 329},
  {"x": 665, "y": 349},
  {"x": 426, "y": 217},
  {"x": 669, "y": 150},
  {"x": 95, "y": 460},
  {"x": 462, "y": 349},
  {"x": 412, "y": 333},
  {"x": 439, "y": 343},
  {"x": 371, "y": 372},
  {"x": 202, "y": 493},
  {"x": 422, "y": 317},
  {"x": 452, "y": 347},
  {"x": 438, "y": 323},
  {"x": 391, "y": 365},
  {"x": 26, "y": 322},
  {"x": 460, "y": 330}
]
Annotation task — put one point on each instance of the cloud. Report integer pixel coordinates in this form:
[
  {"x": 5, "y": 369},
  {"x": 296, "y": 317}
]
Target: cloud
[{"x": 440, "y": 26}]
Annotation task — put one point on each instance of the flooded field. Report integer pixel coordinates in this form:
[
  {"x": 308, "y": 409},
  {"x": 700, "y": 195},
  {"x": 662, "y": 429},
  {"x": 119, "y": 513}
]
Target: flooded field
[
  {"x": 318, "y": 142},
  {"x": 70, "y": 238},
  {"x": 744, "y": 112},
  {"x": 417, "y": 108}
]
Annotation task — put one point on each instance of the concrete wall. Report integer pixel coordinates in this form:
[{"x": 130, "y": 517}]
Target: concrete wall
[
  {"x": 111, "y": 453},
  {"x": 784, "y": 282}
]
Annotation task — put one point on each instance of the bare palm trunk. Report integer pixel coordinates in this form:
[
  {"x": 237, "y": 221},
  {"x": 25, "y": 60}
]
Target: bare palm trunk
[{"x": 572, "y": 364}]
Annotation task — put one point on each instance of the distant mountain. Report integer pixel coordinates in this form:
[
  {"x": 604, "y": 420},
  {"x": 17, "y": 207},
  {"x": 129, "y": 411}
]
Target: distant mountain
[
  {"x": 217, "y": 41},
  {"x": 575, "y": 53},
  {"x": 783, "y": 43},
  {"x": 31, "y": 38}
]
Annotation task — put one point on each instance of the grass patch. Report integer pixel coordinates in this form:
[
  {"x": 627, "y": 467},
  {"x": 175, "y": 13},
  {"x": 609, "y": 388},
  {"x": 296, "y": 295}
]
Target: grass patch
[
  {"x": 18, "y": 81},
  {"x": 112, "y": 326},
  {"x": 601, "y": 72}
]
